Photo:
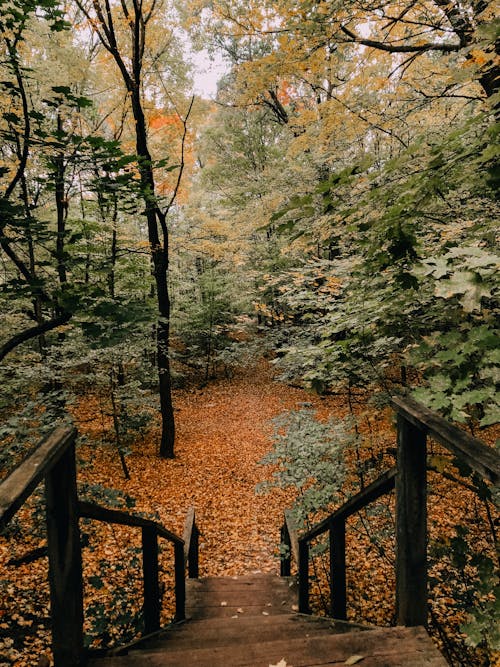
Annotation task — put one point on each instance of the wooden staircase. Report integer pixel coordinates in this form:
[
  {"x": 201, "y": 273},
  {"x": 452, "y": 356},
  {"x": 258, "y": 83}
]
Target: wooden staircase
[{"x": 252, "y": 620}]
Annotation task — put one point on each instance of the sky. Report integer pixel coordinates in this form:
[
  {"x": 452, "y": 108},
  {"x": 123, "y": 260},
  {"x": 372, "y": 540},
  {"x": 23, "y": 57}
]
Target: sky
[{"x": 207, "y": 71}]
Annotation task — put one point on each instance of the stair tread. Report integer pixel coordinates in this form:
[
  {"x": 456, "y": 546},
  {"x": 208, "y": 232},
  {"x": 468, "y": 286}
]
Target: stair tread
[
  {"x": 254, "y": 594},
  {"x": 224, "y": 631},
  {"x": 380, "y": 647},
  {"x": 248, "y": 622}
]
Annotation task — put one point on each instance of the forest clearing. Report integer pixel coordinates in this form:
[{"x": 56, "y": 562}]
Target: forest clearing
[{"x": 262, "y": 310}]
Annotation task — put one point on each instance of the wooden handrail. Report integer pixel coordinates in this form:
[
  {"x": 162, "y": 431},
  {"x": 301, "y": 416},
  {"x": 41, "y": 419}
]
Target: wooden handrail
[
  {"x": 382, "y": 485},
  {"x": 290, "y": 540},
  {"x": 88, "y": 510},
  {"x": 151, "y": 530},
  {"x": 478, "y": 456},
  {"x": 415, "y": 423},
  {"x": 191, "y": 544},
  {"x": 54, "y": 461},
  {"x": 21, "y": 483}
]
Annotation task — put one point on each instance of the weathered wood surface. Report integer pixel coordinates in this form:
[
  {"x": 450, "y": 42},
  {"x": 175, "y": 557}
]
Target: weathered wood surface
[
  {"x": 338, "y": 578},
  {"x": 481, "y": 458},
  {"x": 335, "y": 523},
  {"x": 19, "y": 485},
  {"x": 292, "y": 532},
  {"x": 191, "y": 544},
  {"x": 150, "y": 533},
  {"x": 247, "y": 637},
  {"x": 227, "y": 596},
  {"x": 92, "y": 511},
  {"x": 376, "y": 489},
  {"x": 411, "y": 525},
  {"x": 150, "y": 574},
  {"x": 391, "y": 647},
  {"x": 65, "y": 561}
]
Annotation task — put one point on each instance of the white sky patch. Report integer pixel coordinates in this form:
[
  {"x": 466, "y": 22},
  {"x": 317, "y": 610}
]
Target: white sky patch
[{"x": 207, "y": 70}]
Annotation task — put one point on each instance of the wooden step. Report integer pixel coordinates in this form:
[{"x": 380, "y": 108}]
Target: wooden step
[
  {"x": 251, "y": 621},
  {"x": 226, "y": 631},
  {"x": 381, "y": 647},
  {"x": 232, "y": 596}
]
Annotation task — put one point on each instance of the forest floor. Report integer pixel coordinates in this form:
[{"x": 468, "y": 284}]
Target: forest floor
[{"x": 223, "y": 431}]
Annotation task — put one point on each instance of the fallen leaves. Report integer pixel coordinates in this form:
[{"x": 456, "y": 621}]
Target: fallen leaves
[{"x": 222, "y": 433}]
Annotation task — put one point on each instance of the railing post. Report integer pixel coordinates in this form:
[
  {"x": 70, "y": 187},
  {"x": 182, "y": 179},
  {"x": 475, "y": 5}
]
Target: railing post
[
  {"x": 285, "y": 558},
  {"x": 338, "y": 588},
  {"x": 193, "y": 565},
  {"x": 304, "y": 577},
  {"x": 65, "y": 561},
  {"x": 411, "y": 525},
  {"x": 180, "y": 582},
  {"x": 152, "y": 604}
]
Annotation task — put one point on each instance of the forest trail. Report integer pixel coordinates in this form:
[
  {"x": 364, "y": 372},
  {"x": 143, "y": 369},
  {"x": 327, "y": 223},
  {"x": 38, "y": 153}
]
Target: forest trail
[{"x": 223, "y": 431}]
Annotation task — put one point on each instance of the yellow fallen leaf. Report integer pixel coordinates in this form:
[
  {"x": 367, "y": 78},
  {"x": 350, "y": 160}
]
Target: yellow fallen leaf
[
  {"x": 354, "y": 659},
  {"x": 223, "y": 604},
  {"x": 281, "y": 663}
]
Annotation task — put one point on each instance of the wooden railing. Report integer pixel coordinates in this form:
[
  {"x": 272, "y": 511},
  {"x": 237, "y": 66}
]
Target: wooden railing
[
  {"x": 54, "y": 461},
  {"x": 414, "y": 423}
]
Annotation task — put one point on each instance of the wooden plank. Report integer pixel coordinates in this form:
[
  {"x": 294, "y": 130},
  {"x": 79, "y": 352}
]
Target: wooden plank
[
  {"x": 180, "y": 582},
  {"x": 65, "y": 561},
  {"x": 257, "y": 582},
  {"x": 19, "y": 485},
  {"x": 226, "y": 631},
  {"x": 411, "y": 525},
  {"x": 152, "y": 603},
  {"x": 303, "y": 576},
  {"x": 213, "y": 597},
  {"x": 387, "y": 647},
  {"x": 285, "y": 558},
  {"x": 92, "y": 511},
  {"x": 191, "y": 539},
  {"x": 481, "y": 458},
  {"x": 292, "y": 531},
  {"x": 379, "y": 487},
  {"x": 338, "y": 584}
]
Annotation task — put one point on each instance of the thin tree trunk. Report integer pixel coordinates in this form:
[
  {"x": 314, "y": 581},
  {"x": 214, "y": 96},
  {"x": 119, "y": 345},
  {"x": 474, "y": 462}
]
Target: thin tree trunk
[{"x": 159, "y": 253}]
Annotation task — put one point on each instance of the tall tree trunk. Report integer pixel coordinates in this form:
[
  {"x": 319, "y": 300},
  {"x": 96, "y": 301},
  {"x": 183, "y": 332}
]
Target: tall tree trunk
[
  {"x": 137, "y": 18},
  {"x": 61, "y": 206},
  {"x": 159, "y": 252}
]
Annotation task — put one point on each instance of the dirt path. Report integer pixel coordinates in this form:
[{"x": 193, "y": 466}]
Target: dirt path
[{"x": 223, "y": 431}]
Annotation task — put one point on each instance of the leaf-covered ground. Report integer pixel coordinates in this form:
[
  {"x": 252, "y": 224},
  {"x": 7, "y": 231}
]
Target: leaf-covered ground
[{"x": 223, "y": 431}]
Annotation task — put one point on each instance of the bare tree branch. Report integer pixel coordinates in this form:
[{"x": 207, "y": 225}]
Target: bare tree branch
[
  {"x": 392, "y": 47},
  {"x": 33, "y": 332}
]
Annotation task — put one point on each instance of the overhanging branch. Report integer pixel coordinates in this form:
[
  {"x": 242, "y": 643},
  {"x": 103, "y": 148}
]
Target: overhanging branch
[
  {"x": 33, "y": 332},
  {"x": 392, "y": 47}
]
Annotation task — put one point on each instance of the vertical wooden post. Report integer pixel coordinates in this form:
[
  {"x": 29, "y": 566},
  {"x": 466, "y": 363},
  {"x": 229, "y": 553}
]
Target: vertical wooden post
[
  {"x": 65, "y": 561},
  {"x": 304, "y": 577},
  {"x": 193, "y": 565},
  {"x": 285, "y": 558},
  {"x": 151, "y": 580},
  {"x": 411, "y": 525},
  {"x": 180, "y": 582},
  {"x": 338, "y": 587}
]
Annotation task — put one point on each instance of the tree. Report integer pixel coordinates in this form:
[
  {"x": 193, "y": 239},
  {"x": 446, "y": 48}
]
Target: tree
[
  {"x": 19, "y": 134},
  {"x": 123, "y": 32}
]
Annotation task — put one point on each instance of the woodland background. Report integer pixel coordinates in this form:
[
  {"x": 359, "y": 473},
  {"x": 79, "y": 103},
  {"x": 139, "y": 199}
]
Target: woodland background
[{"x": 334, "y": 209}]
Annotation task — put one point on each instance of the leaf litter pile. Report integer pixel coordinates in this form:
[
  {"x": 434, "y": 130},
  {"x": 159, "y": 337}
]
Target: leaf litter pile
[{"x": 223, "y": 432}]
